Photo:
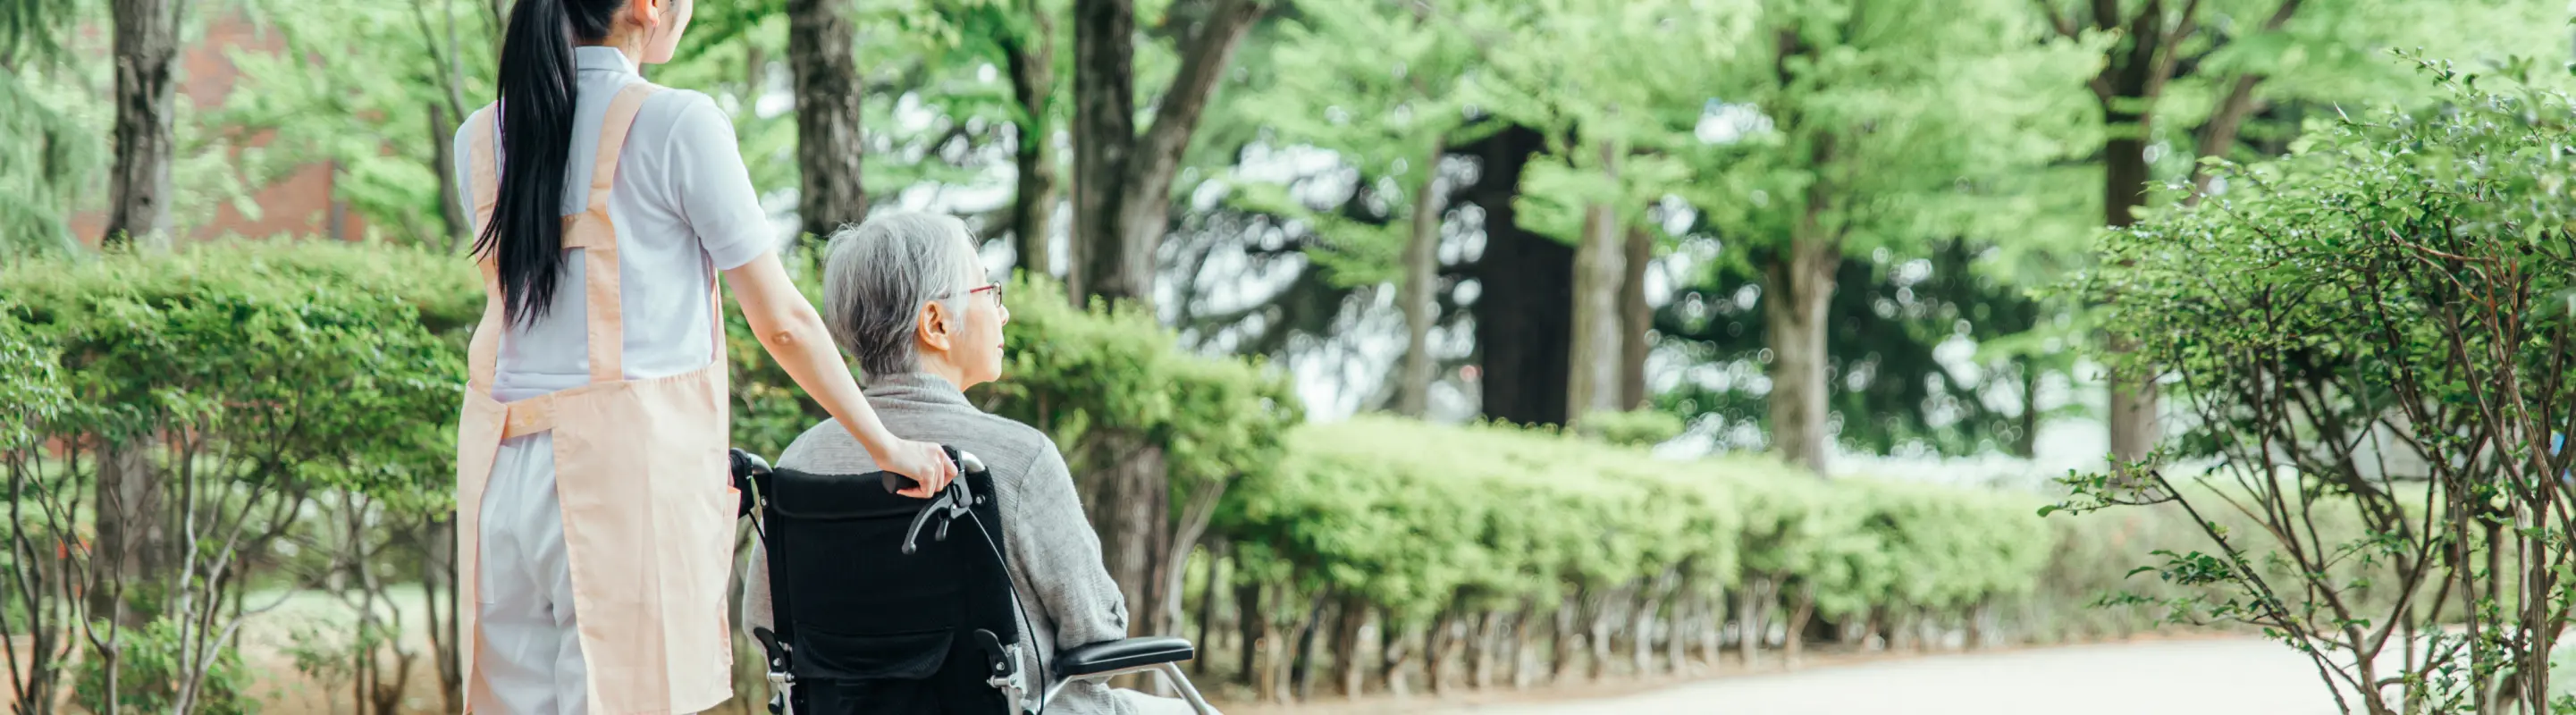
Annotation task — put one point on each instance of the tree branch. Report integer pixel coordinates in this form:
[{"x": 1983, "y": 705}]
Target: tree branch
[
  {"x": 2170, "y": 53},
  {"x": 1203, "y": 64},
  {"x": 2224, "y": 123}
]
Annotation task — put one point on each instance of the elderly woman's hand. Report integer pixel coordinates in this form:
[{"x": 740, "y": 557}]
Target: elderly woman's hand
[{"x": 927, "y": 465}]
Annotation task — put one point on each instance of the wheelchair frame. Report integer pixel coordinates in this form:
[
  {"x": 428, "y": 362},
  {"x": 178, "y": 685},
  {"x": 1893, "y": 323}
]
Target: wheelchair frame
[{"x": 1096, "y": 662}]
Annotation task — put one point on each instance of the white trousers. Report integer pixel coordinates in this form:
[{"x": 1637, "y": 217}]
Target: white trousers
[{"x": 530, "y": 653}]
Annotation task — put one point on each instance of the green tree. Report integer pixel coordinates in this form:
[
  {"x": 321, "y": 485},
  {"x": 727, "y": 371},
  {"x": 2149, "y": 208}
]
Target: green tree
[
  {"x": 1868, "y": 126},
  {"x": 2181, "y": 80},
  {"x": 1610, "y": 126},
  {"x": 1379, "y": 84}
]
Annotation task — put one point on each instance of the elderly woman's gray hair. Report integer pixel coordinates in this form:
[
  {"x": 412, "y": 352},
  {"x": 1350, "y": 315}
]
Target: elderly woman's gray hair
[{"x": 877, "y": 276}]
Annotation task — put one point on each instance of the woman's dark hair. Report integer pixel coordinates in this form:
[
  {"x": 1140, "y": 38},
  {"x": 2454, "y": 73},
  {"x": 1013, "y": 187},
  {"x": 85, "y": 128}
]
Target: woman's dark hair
[{"x": 538, "y": 82}]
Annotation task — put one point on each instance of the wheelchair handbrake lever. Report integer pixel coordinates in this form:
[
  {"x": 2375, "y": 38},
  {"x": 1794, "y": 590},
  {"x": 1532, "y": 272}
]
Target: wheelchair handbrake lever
[
  {"x": 966, "y": 464},
  {"x": 954, "y": 500},
  {"x": 951, "y": 503}
]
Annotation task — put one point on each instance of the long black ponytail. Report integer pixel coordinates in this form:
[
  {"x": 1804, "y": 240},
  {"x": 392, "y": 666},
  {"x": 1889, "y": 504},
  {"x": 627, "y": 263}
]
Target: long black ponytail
[{"x": 538, "y": 81}]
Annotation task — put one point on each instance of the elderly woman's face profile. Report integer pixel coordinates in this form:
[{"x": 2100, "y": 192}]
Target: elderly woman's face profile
[{"x": 976, "y": 349}]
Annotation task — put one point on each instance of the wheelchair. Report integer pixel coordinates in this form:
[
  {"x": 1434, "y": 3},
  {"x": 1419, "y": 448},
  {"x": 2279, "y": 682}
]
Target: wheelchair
[{"x": 876, "y": 610}]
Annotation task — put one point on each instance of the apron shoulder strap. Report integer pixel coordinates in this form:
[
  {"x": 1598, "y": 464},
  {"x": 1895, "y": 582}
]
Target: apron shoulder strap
[{"x": 592, "y": 232}]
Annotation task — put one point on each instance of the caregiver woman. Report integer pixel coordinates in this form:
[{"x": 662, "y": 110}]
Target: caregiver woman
[{"x": 596, "y": 515}]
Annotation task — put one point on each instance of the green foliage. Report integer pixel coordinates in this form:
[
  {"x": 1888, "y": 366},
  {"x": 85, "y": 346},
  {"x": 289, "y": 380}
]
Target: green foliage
[
  {"x": 2371, "y": 337},
  {"x": 1881, "y": 125},
  {"x": 1414, "y": 518},
  {"x": 1380, "y": 85},
  {"x": 1075, "y": 372},
  {"x": 1893, "y": 319},
  {"x": 31, "y": 387},
  {"x": 1619, "y": 123},
  {"x": 308, "y": 363},
  {"x": 152, "y": 662}
]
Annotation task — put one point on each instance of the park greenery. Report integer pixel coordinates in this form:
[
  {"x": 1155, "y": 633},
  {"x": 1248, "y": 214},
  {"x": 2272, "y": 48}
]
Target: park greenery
[
  {"x": 2376, "y": 329},
  {"x": 1377, "y": 331}
]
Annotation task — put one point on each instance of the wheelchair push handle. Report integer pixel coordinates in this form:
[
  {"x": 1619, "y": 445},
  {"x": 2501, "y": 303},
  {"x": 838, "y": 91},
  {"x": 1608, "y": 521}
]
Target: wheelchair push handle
[{"x": 966, "y": 464}]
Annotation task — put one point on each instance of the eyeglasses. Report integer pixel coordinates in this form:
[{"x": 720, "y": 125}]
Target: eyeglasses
[{"x": 994, "y": 288}]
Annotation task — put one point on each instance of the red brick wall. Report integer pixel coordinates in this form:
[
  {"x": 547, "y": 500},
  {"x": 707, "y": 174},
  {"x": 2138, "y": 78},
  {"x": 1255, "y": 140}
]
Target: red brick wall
[{"x": 302, "y": 203}]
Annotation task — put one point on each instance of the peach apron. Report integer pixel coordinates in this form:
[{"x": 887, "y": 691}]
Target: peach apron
[{"x": 640, "y": 467}]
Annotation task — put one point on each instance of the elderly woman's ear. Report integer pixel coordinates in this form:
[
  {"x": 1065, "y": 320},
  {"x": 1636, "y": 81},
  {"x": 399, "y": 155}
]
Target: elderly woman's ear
[{"x": 938, "y": 326}]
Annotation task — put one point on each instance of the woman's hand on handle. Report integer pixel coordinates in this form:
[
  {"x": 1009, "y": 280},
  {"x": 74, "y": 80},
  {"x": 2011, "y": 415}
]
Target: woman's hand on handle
[
  {"x": 925, "y": 463},
  {"x": 794, "y": 335}
]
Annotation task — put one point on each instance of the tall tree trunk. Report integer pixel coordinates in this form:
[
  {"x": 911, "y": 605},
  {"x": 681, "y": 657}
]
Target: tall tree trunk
[
  {"x": 1600, "y": 270},
  {"x": 1032, "y": 66},
  {"x": 1421, "y": 281},
  {"x": 147, "y": 48},
  {"x": 1796, "y": 293},
  {"x": 1104, "y": 135},
  {"x": 1524, "y": 314},
  {"x": 829, "y": 145},
  {"x": 1121, "y": 207},
  {"x": 2132, "y": 418},
  {"x": 1636, "y": 319}
]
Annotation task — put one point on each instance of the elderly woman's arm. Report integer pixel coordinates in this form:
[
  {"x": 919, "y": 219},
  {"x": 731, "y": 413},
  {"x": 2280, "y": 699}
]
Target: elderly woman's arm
[{"x": 1058, "y": 556}]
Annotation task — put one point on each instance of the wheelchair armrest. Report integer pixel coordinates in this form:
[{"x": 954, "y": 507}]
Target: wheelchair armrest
[{"x": 1131, "y": 653}]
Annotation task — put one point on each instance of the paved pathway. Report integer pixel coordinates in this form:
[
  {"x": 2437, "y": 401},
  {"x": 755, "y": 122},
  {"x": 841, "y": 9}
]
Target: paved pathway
[{"x": 2186, "y": 677}]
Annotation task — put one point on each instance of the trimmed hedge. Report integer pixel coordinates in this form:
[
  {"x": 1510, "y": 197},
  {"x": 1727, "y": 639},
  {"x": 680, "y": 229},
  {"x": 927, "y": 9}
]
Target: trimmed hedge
[
  {"x": 1417, "y": 524},
  {"x": 1413, "y": 516}
]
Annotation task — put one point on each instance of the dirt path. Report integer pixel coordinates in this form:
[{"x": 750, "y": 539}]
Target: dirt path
[{"x": 2220, "y": 676}]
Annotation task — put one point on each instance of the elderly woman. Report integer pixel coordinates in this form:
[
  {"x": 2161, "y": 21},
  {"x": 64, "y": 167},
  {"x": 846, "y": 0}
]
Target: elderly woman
[{"x": 906, "y": 294}]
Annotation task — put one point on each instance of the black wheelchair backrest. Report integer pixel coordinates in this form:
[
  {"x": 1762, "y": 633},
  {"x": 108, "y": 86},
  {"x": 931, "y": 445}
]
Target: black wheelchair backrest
[{"x": 855, "y": 607}]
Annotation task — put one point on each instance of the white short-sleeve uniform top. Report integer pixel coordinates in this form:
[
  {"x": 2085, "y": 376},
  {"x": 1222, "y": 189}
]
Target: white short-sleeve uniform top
[{"x": 683, "y": 207}]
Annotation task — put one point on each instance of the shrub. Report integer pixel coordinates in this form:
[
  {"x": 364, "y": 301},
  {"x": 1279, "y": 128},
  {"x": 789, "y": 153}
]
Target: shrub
[
  {"x": 240, "y": 383},
  {"x": 2371, "y": 338}
]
